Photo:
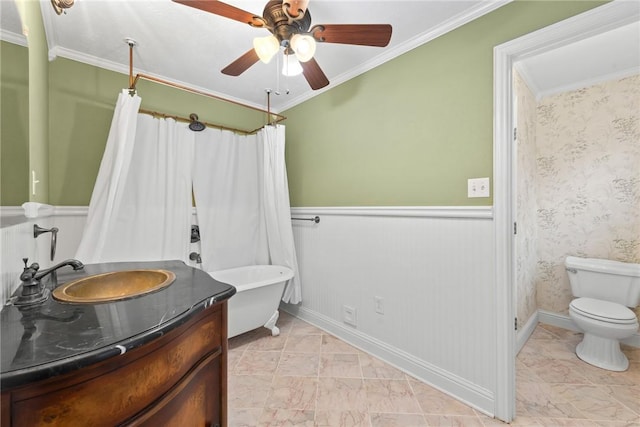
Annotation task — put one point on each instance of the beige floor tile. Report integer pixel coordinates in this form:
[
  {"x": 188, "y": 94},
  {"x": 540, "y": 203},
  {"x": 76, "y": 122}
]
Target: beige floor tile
[
  {"x": 595, "y": 402},
  {"x": 303, "y": 343},
  {"x": 233, "y": 356},
  {"x": 566, "y": 422},
  {"x": 293, "y": 393},
  {"x": 633, "y": 373},
  {"x": 267, "y": 342},
  {"x": 244, "y": 417},
  {"x": 520, "y": 421},
  {"x": 285, "y": 322},
  {"x": 558, "y": 349},
  {"x": 543, "y": 334},
  {"x": 341, "y": 394},
  {"x": 340, "y": 365},
  {"x": 628, "y": 396},
  {"x": 298, "y": 364},
  {"x": 532, "y": 354},
  {"x": 433, "y": 401},
  {"x": 342, "y": 419},
  {"x": 599, "y": 376},
  {"x": 397, "y": 420},
  {"x": 257, "y": 363},
  {"x": 452, "y": 420},
  {"x": 601, "y": 423},
  {"x": 300, "y": 327},
  {"x": 240, "y": 342},
  {"x": 306, "y": 377},
  {"x": 248, "y": 391},
  {"x": 286, "y": 418},
  {"x": 331, "y": 344},
  {"x": 390, "y": 396},
  {"x": 558, "y": 371},
  {"x": 560, "y": 333},
  {"x": 373, "y": 367},
  {"x": 632, "y": 353},
  {"x": 526, "y": 374},
  {"x": 539, "y": 400}
]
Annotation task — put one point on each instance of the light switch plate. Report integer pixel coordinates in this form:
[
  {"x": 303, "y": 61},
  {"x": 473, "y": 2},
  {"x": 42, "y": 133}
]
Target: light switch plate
[{"x": 478, "y": 187}]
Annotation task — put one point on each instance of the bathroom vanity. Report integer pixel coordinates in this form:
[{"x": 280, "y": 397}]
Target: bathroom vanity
[{"x": 156, "y": 359}]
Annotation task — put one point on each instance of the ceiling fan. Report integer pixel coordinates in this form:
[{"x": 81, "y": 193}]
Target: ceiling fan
[{"x": 289, "y": 23}]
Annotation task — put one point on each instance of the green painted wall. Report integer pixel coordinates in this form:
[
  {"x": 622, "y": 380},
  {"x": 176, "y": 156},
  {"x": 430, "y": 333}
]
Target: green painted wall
[
  {"x": 14, "y": 124},
  {"x": 408, "y": 133},
  {"x": 82, "y": 99},
  {"x": 412, "y": 131}
]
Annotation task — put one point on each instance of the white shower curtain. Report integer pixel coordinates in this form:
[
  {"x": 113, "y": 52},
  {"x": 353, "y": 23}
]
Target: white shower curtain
[
  {"x": 242, "y": 199},
  {"x": 277, "y": 209},
  {"x": 226, "y": 188},
  {"x": 140, "y": 209}
]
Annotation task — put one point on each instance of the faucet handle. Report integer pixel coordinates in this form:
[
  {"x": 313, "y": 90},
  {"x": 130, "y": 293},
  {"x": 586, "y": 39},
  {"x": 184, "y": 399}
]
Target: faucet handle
[{"x": 34, "y": 266}]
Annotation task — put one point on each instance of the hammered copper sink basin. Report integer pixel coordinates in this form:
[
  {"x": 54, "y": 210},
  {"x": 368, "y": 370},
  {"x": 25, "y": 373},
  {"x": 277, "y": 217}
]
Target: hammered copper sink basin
[{"x": 113, "y": 286}]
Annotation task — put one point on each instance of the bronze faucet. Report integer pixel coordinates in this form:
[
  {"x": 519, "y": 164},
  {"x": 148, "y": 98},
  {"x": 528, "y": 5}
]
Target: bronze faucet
[{"x": 32, "y": 290}]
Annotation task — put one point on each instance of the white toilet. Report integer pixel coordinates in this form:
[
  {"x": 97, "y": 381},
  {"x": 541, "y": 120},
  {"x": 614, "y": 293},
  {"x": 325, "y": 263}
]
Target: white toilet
[{"x": 604, "y": 289}]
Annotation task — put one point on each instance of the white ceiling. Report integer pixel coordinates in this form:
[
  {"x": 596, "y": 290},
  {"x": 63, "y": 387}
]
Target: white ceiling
[
  {"x": 605, "y": 56},
  {"x": 190, "y": 47}
]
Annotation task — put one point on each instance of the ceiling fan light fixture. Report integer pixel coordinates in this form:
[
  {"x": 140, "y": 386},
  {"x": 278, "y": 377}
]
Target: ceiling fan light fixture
[
  {"x": 266, "y": 47},
  {"x": 304, "y": 46},
  {"x": 295, "y": 9},
  {"x": 59, "y": 6},
  {"x": 291, "y": 66}
]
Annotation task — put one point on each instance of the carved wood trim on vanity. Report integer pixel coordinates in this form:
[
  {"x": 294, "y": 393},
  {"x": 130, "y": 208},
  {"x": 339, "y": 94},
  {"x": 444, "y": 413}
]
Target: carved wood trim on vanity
[{"x": 178, "y": 379}]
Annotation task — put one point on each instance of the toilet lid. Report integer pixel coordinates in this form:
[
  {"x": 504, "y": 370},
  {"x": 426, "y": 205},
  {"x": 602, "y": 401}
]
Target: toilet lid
[{"x": 603, "y": 310}]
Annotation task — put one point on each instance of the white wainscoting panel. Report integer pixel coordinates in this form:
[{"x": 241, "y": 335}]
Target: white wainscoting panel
[
  {"x": 18, "y": 242},
  {"x": 432, "y": 267},
  {"x": 433, "y": 270}
]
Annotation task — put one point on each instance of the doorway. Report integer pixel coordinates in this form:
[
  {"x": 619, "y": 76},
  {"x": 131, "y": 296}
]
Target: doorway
[{"x": 594, "y": 22}]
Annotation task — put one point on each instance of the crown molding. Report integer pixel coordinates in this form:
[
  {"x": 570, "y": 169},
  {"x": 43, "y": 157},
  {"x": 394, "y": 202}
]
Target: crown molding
[
  {"x": 14, "y": 38},
  {"x": 392, "y": 53}
]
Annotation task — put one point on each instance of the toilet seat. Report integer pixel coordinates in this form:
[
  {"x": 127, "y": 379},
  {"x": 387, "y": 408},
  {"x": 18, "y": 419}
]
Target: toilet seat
[{"x": 604, "y": 311}]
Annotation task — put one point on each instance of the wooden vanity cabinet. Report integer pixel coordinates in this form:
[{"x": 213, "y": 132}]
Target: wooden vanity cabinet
[{"x": 178, "y": 379}]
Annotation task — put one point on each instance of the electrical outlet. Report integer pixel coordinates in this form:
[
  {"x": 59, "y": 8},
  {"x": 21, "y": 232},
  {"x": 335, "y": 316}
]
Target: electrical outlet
[
  {"x": 478, "y": 187},
  {"x": 349, "y": 315},
  {"x": 378, "y": 304}
]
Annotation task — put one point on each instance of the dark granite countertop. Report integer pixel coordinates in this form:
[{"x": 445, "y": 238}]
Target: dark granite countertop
[{"x": 53, "y": 338}]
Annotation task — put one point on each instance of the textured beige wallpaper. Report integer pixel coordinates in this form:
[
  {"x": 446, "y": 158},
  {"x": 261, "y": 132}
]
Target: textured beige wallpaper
[
  {"x": 588, "y": 163},
  {"x": 584, "y": 186}
]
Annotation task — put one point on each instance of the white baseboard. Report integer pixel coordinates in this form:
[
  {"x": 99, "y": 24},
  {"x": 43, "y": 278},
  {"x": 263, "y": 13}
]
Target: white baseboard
[
  {"x": 563, "y": 321},
  {"x": 451, "y": 384},
  {"x": 525, "y": 331}
]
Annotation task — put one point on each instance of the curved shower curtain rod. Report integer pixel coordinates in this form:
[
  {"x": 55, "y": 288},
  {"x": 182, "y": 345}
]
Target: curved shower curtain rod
[{"x": 272, "y": 118}]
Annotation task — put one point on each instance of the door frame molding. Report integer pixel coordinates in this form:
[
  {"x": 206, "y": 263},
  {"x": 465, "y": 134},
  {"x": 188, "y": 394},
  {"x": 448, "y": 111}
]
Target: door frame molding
[{"x": 595, "y": 21}]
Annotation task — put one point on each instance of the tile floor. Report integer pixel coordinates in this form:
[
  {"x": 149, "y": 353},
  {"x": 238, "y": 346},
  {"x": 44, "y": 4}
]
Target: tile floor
[{"x": 306, "y": 377}]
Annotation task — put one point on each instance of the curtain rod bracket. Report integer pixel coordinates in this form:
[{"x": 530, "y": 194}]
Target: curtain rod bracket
[
  {"x": 268, "y": 106},
  {"x": 132, "y": 43}
]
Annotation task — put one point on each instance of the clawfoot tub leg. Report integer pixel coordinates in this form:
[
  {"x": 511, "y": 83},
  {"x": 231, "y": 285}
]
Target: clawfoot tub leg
[{"x": 271, "y": 324}]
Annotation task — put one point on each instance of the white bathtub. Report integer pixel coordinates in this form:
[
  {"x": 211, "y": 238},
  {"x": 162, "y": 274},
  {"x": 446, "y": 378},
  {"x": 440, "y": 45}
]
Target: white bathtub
[{"x": 258, "y": 292}]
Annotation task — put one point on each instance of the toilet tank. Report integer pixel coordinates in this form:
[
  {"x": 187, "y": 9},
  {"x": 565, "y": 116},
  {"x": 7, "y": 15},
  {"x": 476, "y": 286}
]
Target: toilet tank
[{"x": 604, "y": 279}]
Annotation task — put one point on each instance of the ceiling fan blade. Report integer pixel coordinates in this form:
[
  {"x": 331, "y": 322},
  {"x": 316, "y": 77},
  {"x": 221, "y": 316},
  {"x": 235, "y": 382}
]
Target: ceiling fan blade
[
  {"x": 359, "y": 34},
  {"x": 314, "y": 74},
  {"x": 241, "y": 64},
  {"x": 226, "y": 10}
]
